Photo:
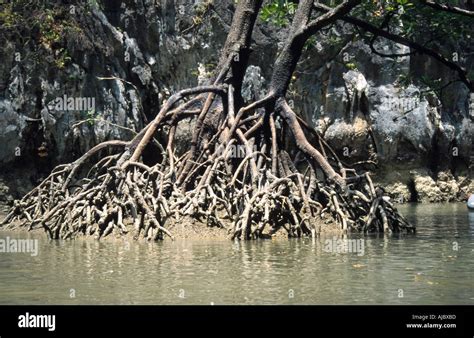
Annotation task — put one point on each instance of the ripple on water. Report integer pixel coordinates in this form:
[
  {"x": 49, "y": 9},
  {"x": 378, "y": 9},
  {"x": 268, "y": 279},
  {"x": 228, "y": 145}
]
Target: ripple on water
[{"x": 424, "y": 268}]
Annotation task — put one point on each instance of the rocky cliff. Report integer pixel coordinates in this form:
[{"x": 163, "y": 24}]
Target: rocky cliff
[{"x": 73, "y": 75}]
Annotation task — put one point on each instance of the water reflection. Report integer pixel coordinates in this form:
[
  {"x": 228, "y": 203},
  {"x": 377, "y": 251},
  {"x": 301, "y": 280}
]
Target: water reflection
[{"x": 435, "y": 266}]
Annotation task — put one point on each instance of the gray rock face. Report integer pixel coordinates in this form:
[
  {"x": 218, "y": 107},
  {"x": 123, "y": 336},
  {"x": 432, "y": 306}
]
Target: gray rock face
[{"x": 129, "y": 56}]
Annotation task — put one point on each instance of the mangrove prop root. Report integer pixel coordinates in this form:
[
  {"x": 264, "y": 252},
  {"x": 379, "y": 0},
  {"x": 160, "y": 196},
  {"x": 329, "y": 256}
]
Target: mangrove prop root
[{"x": 245, "y": 184}]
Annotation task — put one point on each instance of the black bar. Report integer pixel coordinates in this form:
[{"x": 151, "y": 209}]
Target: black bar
[{"x": 310, "y": 321}]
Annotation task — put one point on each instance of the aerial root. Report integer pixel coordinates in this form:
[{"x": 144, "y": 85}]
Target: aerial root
[{"x": 253, "y": 193}]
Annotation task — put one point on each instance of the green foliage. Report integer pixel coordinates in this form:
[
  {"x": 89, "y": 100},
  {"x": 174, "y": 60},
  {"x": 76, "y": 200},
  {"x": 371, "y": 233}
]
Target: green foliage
[
  {"x": 351, "y": 65},
  {"x": 441, "y": 31},
  {"x": 424, "y": 22},
  {"x": 404, "y": 80},
  {"x": 62, "y": 58},
  {"x": 50, "y": 31},
  {"x": 278, "y": 12},
  {"x": 431, "y": 83},
  {"x": 8, "y": 18},
  {"x": 417, "y": 21},
  {"x": 91, "y": 117},
  {"x": 203, "y": 7},
  {"x": 49, "y": 23},
  {"x": 209, "y": 67},
  {"x": 310, "y": 44}
]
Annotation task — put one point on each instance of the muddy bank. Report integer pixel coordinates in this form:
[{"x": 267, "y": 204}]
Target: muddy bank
[
  {"x": 185, "y": 228},
  {"x": 420, "y": 185}
]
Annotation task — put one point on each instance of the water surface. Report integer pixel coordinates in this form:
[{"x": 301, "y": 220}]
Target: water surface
[{"x": 424, "y": 268}]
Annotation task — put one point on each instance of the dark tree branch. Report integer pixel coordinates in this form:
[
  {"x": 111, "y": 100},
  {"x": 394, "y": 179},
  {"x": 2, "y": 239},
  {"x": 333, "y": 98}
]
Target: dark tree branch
[
  {"x": 331, "y": 16},
  {"x": 302, "y": 29},
  {"x": 448, "y": 8},
  {"x": 462, "y": 73},
  {"x": 385, "y": 24}
]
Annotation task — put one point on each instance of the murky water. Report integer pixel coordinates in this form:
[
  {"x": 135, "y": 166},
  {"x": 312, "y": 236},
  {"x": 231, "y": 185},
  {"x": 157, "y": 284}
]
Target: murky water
[{"x": 406, "y": 269}]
